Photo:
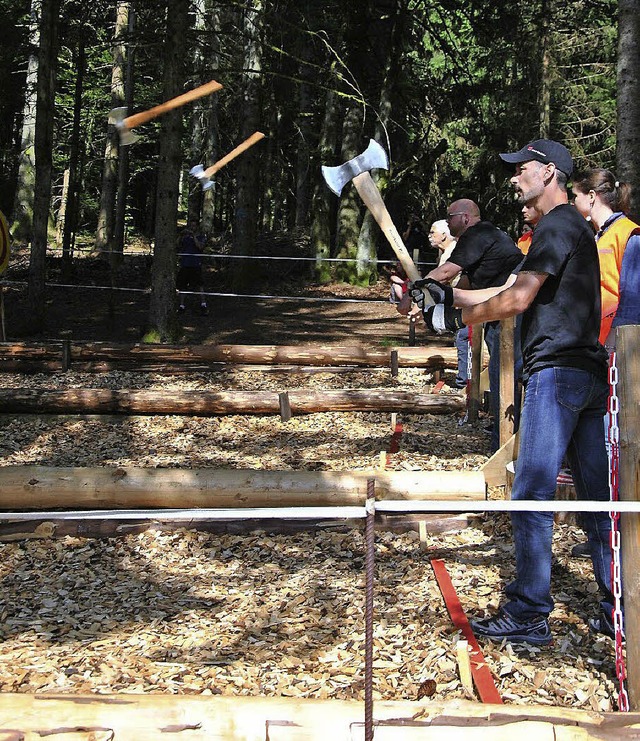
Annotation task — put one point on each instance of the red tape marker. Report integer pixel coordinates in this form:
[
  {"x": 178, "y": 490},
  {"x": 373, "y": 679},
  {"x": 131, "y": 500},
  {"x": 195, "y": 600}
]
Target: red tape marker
[{"x": 480, "y": 672}]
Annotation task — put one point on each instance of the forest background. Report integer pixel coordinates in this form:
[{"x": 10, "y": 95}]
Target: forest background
[{"x": 443, "y": 85}]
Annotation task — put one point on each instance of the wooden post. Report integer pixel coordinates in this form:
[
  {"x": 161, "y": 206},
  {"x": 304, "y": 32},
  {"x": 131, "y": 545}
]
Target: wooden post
[
  {"x": 66, "y": 355},
  {"x": 285, "y": 406},
  {"x": 507, "y": 381},
  {"x": 412, "y": 332},
  {"x": 628, "y": 345},
  {"x": 477, "y": 340},
  {"x": 394, "y": 364}
]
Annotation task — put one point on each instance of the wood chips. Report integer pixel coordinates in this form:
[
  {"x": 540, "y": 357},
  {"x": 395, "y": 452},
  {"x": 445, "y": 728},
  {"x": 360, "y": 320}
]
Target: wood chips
[{"x": 264, "y": 614}]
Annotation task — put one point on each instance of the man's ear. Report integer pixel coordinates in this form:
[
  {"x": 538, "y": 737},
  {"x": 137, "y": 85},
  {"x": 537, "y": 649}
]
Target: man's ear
[{"x": 550, "y": 172}]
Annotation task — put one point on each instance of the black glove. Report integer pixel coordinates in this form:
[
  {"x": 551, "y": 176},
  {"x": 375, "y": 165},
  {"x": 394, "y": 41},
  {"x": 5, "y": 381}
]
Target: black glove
[
  {"x": 442, "y": 318},
  {"x": 441, "y": 293}
]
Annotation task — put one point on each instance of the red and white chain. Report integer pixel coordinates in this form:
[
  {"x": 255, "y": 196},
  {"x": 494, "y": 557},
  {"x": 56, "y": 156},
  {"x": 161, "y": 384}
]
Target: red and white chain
[{"x": 616, "y": 570}]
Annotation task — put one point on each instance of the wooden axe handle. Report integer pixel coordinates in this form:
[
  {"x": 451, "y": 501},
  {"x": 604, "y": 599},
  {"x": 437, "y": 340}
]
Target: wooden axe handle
[
  {"x": 242, "y": 147},
  {"x": 370, "y": 194},
  {"x": 199, "y": 92}
]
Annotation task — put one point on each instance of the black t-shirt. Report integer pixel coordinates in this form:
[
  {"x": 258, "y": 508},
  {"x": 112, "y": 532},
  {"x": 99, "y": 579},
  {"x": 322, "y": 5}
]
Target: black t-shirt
[
  {"x": 486, "y": 254},
  {"x": 561, "y": 326}
]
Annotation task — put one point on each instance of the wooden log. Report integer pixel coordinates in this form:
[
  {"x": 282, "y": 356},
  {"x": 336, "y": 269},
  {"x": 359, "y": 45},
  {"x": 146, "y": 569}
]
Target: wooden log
[
  {"x": 107, "y": 356},
  {"x": 206, "y": 403},
  {"x": 431, "y": 524},
  {"x": 494, "y": 469},
  {"x": 42, "y": 487},
  {"x": 148, "y": 717},
  {"x": 628, "y": 344}
]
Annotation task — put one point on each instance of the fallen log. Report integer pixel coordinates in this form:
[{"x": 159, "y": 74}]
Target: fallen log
[
  {"x": 43, "y": 487},
  {"x": 148, "y": 717},
  {"x": 93, "y": 356},
  {"x": 206, "y": 403}
]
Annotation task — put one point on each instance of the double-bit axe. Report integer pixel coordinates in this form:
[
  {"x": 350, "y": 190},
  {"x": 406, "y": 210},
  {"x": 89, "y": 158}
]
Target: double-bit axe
[
  {"x": 118, "y": 116},
  {"x": 205, "y": 176},
  {"x": 358, "y": 169}
]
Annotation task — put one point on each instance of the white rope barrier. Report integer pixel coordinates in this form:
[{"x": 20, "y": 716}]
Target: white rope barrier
[
  {"x": 318, "y": 513},
  {"x": 319, "y": 299},
  {"x": 161, "y": 515}
]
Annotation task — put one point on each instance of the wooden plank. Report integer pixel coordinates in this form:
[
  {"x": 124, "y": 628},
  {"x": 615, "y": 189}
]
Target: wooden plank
[
  {"x": 475, "y": 398},
  {"x": 628, "y": 344},
  {"x": 206, "y": 403},
  {"x": 41, "y": 487},
  {"x": 506, "y": 407},
  {"x": 482, "y": 677},
  {"x": 149, "y": 717},
  {"x": 494, "y": 469}
]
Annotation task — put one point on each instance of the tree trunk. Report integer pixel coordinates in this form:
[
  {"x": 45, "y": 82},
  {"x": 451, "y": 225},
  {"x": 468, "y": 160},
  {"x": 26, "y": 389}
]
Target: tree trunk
[
  {"x": 106, "y": 215},
  {"x": 71, "y": 210},
  {"x": 117, "y": 245},
  {"x": 324, "y": 203},
  {"x": 350, "y": 203},
  {"x": 628, "y": 100},
  {"x": 22, "y": 227},
  {"x": 210, "y": 155},
  {"x": 198, "y": 119},
  {"x": 44, "y": 161},
  {"x": 247, "y": 169},
  {"x": 162, "y": 314},
  {"x": 544, "y": 90},
  {"x": 206, "y": 403}
]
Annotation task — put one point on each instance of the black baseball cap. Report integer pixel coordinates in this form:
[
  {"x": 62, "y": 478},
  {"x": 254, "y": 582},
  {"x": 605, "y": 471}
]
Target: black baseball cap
[{"x": 545, "y": 151}]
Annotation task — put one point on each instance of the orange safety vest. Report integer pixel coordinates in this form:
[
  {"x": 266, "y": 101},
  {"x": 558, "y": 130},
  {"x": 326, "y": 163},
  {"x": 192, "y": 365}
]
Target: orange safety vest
[
  {"x": 524, "y": 242},
  {"x": 611, "y": 247}
]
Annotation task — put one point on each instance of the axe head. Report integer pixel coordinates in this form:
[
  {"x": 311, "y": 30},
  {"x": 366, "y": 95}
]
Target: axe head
[
  {"x": 374, "y": 157},
  {"x": 198, "y": 171},
  {"x": 117, "y": 117}
]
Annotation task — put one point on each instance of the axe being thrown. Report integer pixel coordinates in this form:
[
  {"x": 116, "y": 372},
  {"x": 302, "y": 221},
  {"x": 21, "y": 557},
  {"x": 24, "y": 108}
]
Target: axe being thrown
[
  {"x": 358, "y": 169},
  {"x": 118, "y": 116},
  {"x": 205, "y": 176}
]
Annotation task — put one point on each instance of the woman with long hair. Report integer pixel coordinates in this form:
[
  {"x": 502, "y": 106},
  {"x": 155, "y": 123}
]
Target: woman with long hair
[{"x": 604, "y": 201}]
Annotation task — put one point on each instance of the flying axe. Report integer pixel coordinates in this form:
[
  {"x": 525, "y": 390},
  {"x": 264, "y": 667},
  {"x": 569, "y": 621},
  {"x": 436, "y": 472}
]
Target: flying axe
[
  {"x": 205, "y": 176},
  {"x": 358, "y": 169},
  {"x": 118, "y": 116}
]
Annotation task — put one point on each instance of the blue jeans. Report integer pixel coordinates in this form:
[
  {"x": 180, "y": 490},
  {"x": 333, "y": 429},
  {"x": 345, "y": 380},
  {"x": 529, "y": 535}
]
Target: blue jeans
[
  {"x": 562, "y": 414},
  {"x": 492, "y": 338},
  {"x": 462, "y": 346}
]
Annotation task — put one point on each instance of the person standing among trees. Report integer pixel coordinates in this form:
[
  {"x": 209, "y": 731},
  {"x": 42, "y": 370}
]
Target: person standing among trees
[
  {"x": 565, "y": 373},
  {"x": 189, "y": 277}
]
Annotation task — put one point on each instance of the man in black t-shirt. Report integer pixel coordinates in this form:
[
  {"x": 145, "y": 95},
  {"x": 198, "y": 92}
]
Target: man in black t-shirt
[
  {"x": 565, "y": 373},
  {"x": 484, "y": 257}
]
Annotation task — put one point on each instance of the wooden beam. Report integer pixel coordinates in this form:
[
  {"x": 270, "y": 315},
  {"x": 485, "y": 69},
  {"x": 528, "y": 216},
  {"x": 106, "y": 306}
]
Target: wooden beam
[
  {"x": 475, "y": 394},
  {"x": 628, "y": 344},
  {"x": 107, "y": 356},
  {"x": 149, "y": 717},
  {"x": 207, "y": 403},
  {"x": 506, "y": 406},
  {"x": 41, "y": 487},
  {"x": 495, "y": 469}
]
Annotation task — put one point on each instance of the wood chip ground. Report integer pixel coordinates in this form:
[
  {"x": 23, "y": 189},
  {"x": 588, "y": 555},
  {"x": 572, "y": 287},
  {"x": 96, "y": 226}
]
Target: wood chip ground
[{"x": 257, "y": 614}]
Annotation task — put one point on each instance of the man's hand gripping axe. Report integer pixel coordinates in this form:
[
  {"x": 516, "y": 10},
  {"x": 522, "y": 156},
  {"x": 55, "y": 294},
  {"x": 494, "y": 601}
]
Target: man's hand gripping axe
[
  {"x": 358, "y": 170},
  {"x": 205, "y": 176},
  {"x": 118, "y": 116}
]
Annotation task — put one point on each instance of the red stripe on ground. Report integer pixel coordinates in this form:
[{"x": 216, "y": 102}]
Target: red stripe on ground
[
  {"x": 437, "y": 388},
  {"x": 394, "y": 444},
  {"x": 480, "y": 672}
]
